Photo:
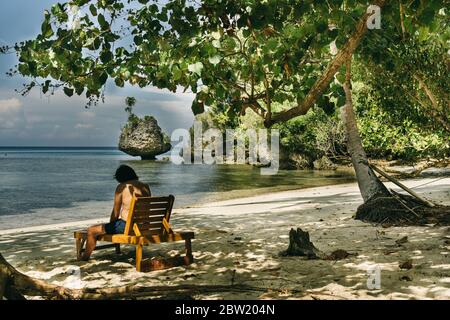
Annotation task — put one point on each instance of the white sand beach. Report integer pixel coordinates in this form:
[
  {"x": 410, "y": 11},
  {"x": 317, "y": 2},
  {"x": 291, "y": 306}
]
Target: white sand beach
[{"x": 238, "y": 241}]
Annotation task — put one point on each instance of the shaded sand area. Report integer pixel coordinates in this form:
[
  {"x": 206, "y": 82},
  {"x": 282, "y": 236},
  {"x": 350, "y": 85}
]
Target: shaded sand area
[{"x": 238, "y": 241}]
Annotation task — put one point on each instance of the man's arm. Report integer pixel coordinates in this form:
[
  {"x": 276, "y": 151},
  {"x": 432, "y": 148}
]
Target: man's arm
[{"x": 117, "y": 203}]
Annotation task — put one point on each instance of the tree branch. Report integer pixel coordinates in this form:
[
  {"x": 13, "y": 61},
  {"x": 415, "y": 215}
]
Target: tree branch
[{"x": 323, "y": 82}]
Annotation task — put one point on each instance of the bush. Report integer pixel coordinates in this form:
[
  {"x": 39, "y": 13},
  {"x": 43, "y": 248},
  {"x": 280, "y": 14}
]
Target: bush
[
  {"x": 386, "y": 135},
  {"x": 384, "y": 138},
  {"x": 390, "y": 129},
  {"x": 314, "y": 135}
]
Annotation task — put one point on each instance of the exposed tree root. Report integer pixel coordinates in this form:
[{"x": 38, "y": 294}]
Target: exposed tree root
[{"x": 402, "y": 210}]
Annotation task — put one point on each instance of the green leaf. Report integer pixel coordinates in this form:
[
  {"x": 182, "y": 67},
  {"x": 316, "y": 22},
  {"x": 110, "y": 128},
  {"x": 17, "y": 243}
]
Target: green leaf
[
  {"x": 119, "y": 82},
  {"x": 215, "y": 60},
  {"x": 197, "y": 107},
  {"x": 46, "y": 29},
  {"x": 23, "y": 69},
  {"x": 68, "y": 91},
  {"x": 103, "y": 78},
  {"x": 102, "y": 21},
  {"x": 106, "y": 56},
  {"x": 138, "y": 40},
  {"x": 340, "y": 77},
  {"x": 45, "y": 86},
  {"x": 272, "y": 44},
  {"x": 93, "y": 10},
  {"x": 196, "y": 68},
  {"x": 340, "y": 101},
  {"x": 322, "y": 26},
  {"x": 130, "y": 102},
  {"x": 176, "y": 73},
  {"x": 79, "y": 88},
  {"x": 427, "y": 15},
  {"x": 97, "y": 43}
]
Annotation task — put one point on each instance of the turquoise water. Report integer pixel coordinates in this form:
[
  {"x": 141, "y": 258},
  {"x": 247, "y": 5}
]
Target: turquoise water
[{"x": 49, "y": 185}]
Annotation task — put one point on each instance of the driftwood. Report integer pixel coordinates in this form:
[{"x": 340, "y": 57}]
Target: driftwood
[
  {"x": 418, "y": 168},
  {"x": 401, "y": 185},
  {"x": 15, "y": 285}
]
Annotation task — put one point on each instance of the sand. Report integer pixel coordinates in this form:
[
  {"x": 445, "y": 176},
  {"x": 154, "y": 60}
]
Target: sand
[{"x": 238, "y": 241}]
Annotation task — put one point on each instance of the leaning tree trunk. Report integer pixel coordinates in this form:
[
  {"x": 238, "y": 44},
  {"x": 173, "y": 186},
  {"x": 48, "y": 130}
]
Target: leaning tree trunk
[
  {"x": 369, "y": 184},
  {"x": 380, "y": 206}
]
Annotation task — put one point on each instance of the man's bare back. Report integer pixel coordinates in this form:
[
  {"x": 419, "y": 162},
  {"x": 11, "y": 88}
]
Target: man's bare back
[{"x": 126, "y": 191}]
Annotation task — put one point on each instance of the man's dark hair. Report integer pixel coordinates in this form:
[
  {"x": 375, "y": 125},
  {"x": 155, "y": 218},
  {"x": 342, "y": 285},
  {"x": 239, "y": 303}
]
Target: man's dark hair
[{"x": 125, "y": 173}]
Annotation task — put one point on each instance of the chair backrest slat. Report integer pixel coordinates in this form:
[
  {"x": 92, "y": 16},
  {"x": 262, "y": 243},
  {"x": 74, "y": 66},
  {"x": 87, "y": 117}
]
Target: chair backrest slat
[
  {"x": 152, "y": 219},
  {"x": 148, "y": 213},
  {"x": 153, "y": 205}
]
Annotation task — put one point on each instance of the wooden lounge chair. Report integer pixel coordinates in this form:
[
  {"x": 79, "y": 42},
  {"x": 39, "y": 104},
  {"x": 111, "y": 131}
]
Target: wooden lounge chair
[{"x": 148, "y": 223}]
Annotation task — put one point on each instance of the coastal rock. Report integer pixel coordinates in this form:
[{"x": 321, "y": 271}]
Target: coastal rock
[
  {"x": 143, "y": 138},
  {"x": 291, "y": 160},
  {"x": 324, "y": 164}
]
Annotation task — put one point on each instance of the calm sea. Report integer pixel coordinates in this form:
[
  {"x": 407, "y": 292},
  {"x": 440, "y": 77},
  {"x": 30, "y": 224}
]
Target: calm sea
[{"x": 53, "y": 185}]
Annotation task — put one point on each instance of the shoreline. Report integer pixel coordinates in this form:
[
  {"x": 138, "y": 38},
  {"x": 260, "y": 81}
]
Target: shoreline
[
  {"x": 96, "y": 211},
  {"x": 204, "y": 198},
  {"x": 249, "y": 194},
  {"x": 87, "y": 222}
]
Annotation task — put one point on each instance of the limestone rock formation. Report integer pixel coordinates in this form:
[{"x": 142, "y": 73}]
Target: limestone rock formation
[{"x": 143, "y": 138}]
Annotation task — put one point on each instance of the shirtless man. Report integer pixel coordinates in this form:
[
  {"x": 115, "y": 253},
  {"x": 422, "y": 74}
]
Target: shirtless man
[{"x": 129, "y": 186}]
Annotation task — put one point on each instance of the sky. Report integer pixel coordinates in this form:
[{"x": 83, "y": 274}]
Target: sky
[{"x": 41, "y": 120}]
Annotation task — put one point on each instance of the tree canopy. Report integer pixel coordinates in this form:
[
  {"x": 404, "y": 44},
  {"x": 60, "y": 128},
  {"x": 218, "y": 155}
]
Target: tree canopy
[{"x": 270, "y": 56}]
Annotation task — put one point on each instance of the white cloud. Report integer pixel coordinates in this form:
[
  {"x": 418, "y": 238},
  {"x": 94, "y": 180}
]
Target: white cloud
[
  {"x": 178, "y": 95},
  {"x": 33, "y": 118},
  {"x": 11, "y": 113},
  {"x": 87, "y": 115},
  {"x": 10, "y": 104},
  {"x": 83, "y": 126},
  {"x": 180, "y": 106}
]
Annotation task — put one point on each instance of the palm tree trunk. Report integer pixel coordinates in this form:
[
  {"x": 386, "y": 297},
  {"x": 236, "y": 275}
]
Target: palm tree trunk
[{"x": 369, "y": 184}]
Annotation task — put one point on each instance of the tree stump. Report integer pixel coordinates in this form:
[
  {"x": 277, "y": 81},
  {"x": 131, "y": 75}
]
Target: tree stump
[{"x": 300, "y": 245}]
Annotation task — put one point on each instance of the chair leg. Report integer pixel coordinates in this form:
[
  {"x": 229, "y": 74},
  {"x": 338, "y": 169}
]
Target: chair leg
[
  {"x": 78, "y": 247},
  {"x": 138, "y": 257},
  {"x": 189, "y": 258},
  {"x": 117, "y": 248},
  {"x": 83, "y": 243}
]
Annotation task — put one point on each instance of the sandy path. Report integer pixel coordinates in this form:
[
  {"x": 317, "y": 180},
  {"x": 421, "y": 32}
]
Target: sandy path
[{"x": 239, "y": 240}]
